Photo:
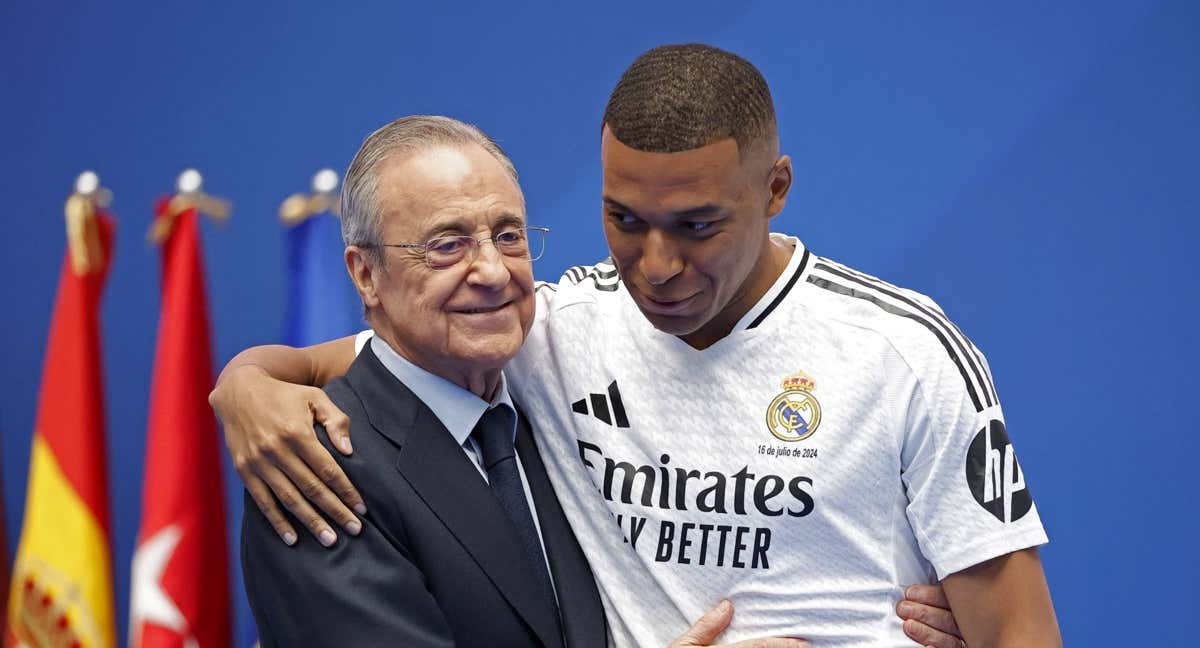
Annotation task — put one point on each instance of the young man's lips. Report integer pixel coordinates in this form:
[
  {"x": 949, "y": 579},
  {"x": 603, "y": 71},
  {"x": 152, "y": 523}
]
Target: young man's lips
[{"x": 667, "y": 307}]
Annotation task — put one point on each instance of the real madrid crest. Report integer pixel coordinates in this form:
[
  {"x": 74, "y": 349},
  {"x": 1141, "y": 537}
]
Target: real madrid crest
[{"x": 795, "y": 414}]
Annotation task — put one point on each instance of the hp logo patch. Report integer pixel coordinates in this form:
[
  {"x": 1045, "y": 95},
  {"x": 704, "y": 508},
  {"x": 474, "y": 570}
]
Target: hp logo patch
[{"x": 994, "y": 476}]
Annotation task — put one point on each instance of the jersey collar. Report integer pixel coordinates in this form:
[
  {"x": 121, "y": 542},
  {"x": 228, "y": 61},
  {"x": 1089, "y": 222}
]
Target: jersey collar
[{"x": 779, "y": 290}]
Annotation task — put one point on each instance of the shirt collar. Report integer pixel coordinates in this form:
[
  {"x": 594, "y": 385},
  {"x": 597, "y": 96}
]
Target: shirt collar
[{"x": 458, "y": 409}]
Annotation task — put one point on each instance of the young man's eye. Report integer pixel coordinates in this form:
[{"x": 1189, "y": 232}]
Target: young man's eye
[
  {"x": 621, "y": 218},
  {"x": 698, "y": 226}
]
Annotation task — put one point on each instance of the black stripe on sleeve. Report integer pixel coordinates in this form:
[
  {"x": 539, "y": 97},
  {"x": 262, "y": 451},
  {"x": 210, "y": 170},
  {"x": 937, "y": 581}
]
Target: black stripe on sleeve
[
  {"x": 783, "y": 293},
  {"x": 821, "y": 282},
  {"x": 981, "y": 378},
  {"x": 939, "y": 316}
]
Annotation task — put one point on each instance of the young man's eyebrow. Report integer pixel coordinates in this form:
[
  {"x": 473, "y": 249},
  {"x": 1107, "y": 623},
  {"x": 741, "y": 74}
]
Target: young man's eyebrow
[
  {"x": 707, "y": 209},
  {"x": 703, "y": 210},
  {"x": 616, "y": 205}
]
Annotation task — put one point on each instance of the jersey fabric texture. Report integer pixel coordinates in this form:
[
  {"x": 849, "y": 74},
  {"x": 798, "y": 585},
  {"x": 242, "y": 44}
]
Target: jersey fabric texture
[{"x": 842, "y": 442}]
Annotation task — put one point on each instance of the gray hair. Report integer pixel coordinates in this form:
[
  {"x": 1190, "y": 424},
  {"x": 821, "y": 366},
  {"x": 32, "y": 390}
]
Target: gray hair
[{"x": 362, "y": 219}]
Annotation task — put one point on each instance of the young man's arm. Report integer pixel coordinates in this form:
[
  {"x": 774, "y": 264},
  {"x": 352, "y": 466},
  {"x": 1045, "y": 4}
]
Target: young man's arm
[
  {"x": 1004, "y": 602},
  {"x": 268, "y": 398}
]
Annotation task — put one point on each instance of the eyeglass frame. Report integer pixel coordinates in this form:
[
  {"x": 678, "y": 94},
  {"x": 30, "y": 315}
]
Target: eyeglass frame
[{"x": 472, "y": 248}]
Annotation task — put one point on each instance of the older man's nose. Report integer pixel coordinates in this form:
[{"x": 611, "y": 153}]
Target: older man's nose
[{"x": 488, "y": 268}]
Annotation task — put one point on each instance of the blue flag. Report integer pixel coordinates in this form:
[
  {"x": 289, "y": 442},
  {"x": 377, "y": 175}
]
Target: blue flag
[{"x": 322, "y": 304}]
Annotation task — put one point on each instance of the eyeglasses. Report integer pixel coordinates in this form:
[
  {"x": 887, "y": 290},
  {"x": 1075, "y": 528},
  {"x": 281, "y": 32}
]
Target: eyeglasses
[{"x": 445, "y": 251}]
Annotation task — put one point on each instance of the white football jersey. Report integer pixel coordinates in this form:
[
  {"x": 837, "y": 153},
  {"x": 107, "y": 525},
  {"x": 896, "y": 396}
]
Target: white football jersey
[{"x": 842, "y": 442}]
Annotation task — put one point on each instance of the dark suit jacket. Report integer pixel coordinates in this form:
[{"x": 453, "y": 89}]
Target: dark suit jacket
[{"x": 437, "y": 562}]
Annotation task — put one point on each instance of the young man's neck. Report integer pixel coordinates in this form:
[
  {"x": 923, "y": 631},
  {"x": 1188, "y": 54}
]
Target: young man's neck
[{"x": 770, "y": 266}]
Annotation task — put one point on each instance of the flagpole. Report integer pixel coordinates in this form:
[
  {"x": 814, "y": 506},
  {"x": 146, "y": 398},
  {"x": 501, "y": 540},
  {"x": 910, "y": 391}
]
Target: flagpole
[
  {"x": 189, "y": 187},
  {"x": 299, "y": 207}
]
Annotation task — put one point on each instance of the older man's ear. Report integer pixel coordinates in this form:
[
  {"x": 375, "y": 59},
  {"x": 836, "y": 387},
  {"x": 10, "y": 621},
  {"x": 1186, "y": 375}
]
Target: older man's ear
[{"x": 358, "y": 264}]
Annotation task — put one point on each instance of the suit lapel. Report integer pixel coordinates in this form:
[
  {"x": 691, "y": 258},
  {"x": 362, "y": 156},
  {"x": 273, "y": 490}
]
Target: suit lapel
[
  {"x": 445, "y": 479},
  {"x": 578, "y": 599}
]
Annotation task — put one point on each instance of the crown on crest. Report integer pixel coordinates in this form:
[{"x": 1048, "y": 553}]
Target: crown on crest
[{"x": 800, "y": 381}]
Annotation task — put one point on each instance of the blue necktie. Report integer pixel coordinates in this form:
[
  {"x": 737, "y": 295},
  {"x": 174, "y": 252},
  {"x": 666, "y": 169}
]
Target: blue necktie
[{"x": 494, "y": 434}]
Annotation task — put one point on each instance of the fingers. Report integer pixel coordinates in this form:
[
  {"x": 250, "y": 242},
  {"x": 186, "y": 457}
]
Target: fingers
[
  {"x": 333, "y": 492},
  {"x": 927, "y": 606},
  {"x": 707, "y": 627},
  {"x": 928, "y": 594},
  {"x": 772, "y": 642},
  {"x": 266, "y": 504},
  {"x": 292, "y": 500},
  {"x": 931, "y": 638},
  {"x": 313, "y": 488},
  {"x": 934, "y": 617},
  {"x": 337, "y": 424}
]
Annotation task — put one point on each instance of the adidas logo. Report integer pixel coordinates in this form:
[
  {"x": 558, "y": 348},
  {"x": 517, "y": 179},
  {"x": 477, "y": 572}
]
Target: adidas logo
[{"x": 600, "y": 407}]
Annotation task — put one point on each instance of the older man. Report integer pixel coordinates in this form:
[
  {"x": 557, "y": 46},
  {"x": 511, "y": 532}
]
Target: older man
[{"x": 465, "y": 543}]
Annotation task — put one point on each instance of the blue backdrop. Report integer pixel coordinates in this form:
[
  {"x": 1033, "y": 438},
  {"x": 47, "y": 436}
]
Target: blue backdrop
[{"x": 1032, "y": 166}]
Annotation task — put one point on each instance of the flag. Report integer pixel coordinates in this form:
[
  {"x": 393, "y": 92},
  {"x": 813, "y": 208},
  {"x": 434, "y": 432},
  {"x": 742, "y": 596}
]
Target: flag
[
  {"x": 61, "y": 592},
  {"x": 322, "y": 304},
  {"x": 180, "y": 573}
]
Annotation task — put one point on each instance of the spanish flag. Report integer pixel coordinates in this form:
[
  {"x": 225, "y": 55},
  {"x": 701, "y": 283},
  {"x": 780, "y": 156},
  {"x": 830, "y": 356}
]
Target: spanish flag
[{"x": 61, "y": 592}]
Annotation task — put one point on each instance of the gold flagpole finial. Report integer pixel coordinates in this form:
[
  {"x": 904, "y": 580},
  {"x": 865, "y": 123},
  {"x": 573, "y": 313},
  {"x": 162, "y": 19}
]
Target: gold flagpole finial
[
  {"x": 298, "y": 207},
  {"x": 189, "y": 193},
  {"x": 83, "y": 237}
]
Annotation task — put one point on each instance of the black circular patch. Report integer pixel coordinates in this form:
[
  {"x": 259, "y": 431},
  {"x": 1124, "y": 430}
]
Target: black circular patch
[{"x": 994, "y": 476}]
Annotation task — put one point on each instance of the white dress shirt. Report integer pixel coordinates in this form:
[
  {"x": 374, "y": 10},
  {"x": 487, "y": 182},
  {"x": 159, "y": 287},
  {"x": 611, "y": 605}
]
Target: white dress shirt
[{"x": 457, "y": 409}]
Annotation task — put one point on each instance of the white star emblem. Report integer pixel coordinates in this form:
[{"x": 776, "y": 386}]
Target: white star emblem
[{"x": 149, "y": 602}]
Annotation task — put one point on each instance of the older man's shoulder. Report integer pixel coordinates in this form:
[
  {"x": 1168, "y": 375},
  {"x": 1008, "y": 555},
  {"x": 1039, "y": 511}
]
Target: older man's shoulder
[{"x": 341, "y": 392}]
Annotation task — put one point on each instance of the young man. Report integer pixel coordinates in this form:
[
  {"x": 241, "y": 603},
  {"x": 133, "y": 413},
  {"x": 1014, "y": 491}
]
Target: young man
[{"x": 725, "y": 414}]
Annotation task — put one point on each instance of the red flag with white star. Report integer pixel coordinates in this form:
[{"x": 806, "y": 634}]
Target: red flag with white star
[{"x": 180, "y": 583}]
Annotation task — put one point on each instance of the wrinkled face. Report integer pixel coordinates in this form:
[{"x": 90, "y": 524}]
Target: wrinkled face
[
  {"x": 689, "y": 232},
  {"x": 468, "y": 317}
]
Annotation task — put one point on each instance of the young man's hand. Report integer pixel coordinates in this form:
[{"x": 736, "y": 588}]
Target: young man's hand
[
  {"x": 269, "y": 434},
  {"x": 706, "y": 629}
]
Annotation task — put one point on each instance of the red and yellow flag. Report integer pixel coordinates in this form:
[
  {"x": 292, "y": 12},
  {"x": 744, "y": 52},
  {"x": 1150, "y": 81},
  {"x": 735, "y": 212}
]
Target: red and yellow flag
[
  {"x": 61, "y": 591},
  {"x": 180, "y": 584}
]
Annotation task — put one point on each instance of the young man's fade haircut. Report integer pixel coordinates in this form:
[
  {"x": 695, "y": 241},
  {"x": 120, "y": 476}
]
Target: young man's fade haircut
[{"x": 677, "y": 98}]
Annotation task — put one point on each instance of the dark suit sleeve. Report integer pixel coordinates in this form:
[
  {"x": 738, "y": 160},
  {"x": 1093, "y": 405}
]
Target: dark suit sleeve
[{"x": 363, "y": 591}]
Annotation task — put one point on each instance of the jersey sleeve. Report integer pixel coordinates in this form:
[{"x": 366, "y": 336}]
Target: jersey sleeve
[
  {"x": 361, "y": 339},
  {"x": 969, "y": 499}
]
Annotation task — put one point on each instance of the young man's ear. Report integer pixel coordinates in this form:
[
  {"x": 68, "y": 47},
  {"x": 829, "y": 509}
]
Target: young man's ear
[{"x": 779, "y": 182}]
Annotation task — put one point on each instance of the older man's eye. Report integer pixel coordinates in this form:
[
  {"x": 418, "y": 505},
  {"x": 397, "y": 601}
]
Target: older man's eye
[
  {"x": 446, "y": 245},
  {"x": 511, "y": 237}
]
